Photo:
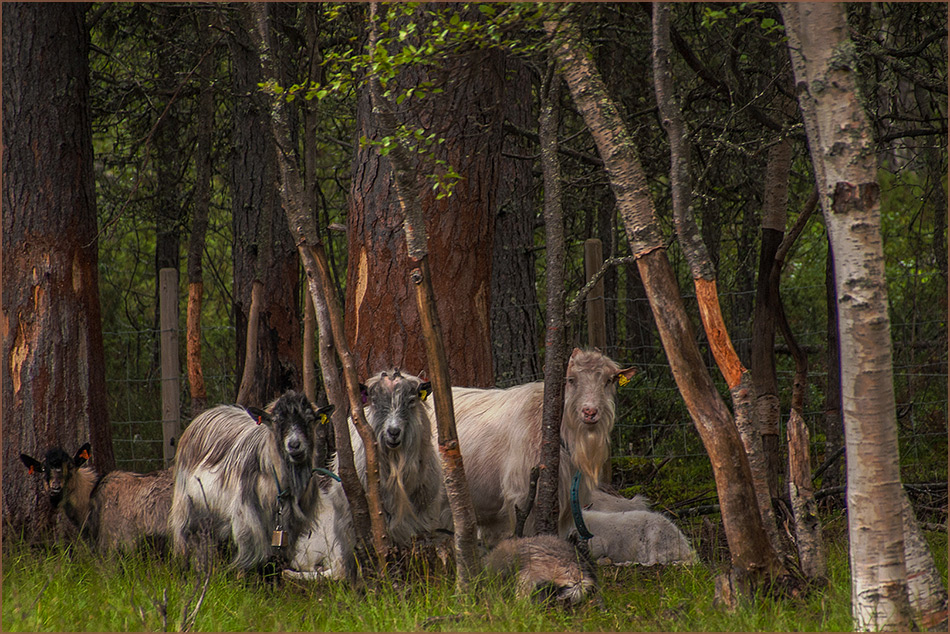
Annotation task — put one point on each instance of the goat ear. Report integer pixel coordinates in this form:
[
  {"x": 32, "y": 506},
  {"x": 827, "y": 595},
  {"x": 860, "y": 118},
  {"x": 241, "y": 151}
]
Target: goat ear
[
  {"x": 82, "y": 455},
  {"x": 259, "y": 415},
  {"x": 32, "y": 464},
  {"x": 623, "y": 376},
  {"x": 575, "y": 352},
  {"x": 364, "y": 393},
  {"x": 323, "y": 414},
  {"x": 424, "y": 390}
]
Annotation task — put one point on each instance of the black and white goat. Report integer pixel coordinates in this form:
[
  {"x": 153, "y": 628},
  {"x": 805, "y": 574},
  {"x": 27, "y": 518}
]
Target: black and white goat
[
  {"x": 412, "y": 495},
  {"x": 116, "y": 511},
  {"x": 249, "y": 478}
]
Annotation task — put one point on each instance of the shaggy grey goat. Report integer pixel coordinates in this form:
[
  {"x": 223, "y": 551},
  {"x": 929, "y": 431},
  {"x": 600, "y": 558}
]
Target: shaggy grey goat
[
  {"x": 116, "y": 511},
  {"x": 411, "y": 491},
  {"x": 640, "y": 537},
  {"x": 544, "y": 566},
  {"x": 250, "y": 477}
]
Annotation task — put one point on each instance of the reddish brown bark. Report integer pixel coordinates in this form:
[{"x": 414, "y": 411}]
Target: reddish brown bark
[
  {"x": 368, "y": 520},
  {"x": 748, "y": 542},
  {"x": 53, "y": 385},
  {"x": 383, "y": 326},
  {"x": 416, "y": 236}
]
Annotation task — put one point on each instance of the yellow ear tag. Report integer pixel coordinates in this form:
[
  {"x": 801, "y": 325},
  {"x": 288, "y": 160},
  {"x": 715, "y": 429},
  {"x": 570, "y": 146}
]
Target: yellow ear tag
[
  {"x": 622, "y": 379},
  {"x": 323, "y": 419},
  {"x": 423, "y": 394}
]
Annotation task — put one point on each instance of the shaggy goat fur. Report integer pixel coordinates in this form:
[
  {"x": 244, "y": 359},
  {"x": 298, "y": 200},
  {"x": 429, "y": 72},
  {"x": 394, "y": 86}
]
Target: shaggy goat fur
[
  {"x": 116, "y": 511},
  {"x": 500, "y": 438},
  {"x": 247, "y": 476},
  {"x": 640, "y": 537},
  {"x": 410, "y": 475},
  {"x": 546, "y": 565}
]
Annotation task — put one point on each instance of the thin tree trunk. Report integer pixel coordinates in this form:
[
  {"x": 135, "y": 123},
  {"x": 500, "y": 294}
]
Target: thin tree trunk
[
  {"x": 775, "y": 200},
  {"x": 302, "y": 225},
  {"x": 845, "y": 165},
  {"x": 249, "y": 376},
  {"x": 199, "y": 223},
  {"x": 737, "y": 377},
  {"x": 456, "y": 485},
  {"x": 749, "y": 544},
  {"x": 833, "y": 420},
  {"x": 555, "y": 355}
]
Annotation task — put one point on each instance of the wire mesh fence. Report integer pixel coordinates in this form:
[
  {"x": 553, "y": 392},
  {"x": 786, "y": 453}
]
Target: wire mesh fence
[{"x": 653, "y": 429}]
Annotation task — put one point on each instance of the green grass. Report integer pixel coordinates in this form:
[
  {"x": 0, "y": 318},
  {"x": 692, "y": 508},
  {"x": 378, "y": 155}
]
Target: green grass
[{"x": 70, "y": 589}]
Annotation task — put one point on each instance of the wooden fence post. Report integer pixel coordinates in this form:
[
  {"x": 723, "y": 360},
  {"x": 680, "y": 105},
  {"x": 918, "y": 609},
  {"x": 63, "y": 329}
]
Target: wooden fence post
[
  {"x": 596, "y": 317},
  {"x": 171, "y": 381}
]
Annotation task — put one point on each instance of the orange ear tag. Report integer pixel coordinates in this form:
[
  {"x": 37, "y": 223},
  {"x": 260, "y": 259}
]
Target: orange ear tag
[
  {"x": 31, "y": 470},
  {"x": 84, "y": 455},
  {"x": 258, "y": 420}
]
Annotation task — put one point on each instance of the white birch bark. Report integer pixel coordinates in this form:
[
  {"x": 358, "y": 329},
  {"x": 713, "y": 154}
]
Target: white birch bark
[{"x": 842, "y": 150}]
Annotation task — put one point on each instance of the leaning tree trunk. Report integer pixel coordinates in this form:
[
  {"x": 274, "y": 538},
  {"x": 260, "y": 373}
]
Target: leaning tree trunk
[
  {"x": 738, "y": 378},
  {"x": 420, "y": 274},
  {"x": 368, "y": 515},
  {"x": 53, "y": 385},
  {"x": 749, "y": 545},
  {"x": 842, "y": 150}
]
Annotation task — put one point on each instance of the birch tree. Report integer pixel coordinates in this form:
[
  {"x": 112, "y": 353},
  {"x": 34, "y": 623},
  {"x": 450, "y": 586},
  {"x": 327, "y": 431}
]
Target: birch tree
[{"x": 845, "y": 164}]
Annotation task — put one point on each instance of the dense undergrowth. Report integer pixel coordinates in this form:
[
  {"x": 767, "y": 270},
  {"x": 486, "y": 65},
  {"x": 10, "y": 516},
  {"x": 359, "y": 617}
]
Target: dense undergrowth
[{"x": 67, "y": 588}]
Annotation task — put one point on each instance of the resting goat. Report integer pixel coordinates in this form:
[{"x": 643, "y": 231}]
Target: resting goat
[
  {"x": 411, "y": 491},
  {"x": 250, "y": 477},
  {"x": 546, "y": 565},
  {"x": 636, "y": 537},
  {"x": 116, "y": 511},
  {"x": 500, "y": 438}
]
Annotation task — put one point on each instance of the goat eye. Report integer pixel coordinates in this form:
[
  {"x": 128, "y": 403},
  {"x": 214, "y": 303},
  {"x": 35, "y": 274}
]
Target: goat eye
[{"x": 570, "y": 380}]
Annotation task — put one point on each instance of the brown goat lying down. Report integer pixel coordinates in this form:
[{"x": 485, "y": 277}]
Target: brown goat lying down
[
  {"x": 546, "y": 565},
  {"x": 500, "y": 438},
  {"x": 116, "y": 511}
]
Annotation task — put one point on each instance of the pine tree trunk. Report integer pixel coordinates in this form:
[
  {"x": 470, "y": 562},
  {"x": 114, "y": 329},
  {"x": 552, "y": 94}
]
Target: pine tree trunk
[
  {"x": 53, "y": 385},
  {"x": 419, "y": 273},
  {"x": 368, "y": 521},
  {"x": 264, "y": 248},
  {"x": 381, "y": 324}
]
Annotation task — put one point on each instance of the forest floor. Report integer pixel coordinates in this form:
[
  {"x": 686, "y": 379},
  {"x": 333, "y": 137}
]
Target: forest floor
[{"x": 70, "y": 589}]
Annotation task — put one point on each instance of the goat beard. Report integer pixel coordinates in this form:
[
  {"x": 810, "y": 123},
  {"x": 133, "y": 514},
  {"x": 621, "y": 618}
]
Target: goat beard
[
  {"x": 589, "y": 451},
  {"x": 392, "y": 468}
]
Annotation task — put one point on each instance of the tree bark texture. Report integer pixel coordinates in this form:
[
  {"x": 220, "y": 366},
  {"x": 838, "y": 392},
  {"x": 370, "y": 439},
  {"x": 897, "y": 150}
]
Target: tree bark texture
[
  {"x": 764, "y": 378},
  {"x": 741, "y": 386},
  {"x": 514, "y": 299},
  {"x": 833, "y": 420},
  {"x": 419, "y": 273},
  {"x": 199, "y": 225},
  {"x": 264, "y": 249},
  {"x": 748, "y": 542},
  {"x": 53, "y": 385},
  {"x": 368, "y": 521},
  {"x": 845, "y": 165},
  {"x": 383, "y": 326},
  {"x": 555, "y": 339}
]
